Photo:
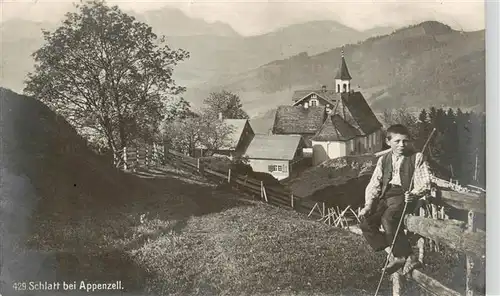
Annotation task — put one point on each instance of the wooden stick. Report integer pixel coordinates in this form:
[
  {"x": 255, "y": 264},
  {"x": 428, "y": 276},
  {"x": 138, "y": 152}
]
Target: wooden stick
[
  {"x": 312, "y": 210},
  {"x": 291, "y": 200},
  {"x": 356, "y": 216},
  {"x": 323, "y": 213}
]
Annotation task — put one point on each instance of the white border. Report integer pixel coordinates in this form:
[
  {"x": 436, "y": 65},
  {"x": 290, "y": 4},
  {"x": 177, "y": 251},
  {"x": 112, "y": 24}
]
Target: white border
[{"x": 492, "y": 148}]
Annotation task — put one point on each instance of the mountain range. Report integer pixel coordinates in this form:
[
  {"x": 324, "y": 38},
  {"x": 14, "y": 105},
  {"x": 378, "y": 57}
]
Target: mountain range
[
  {"x": 427, "y": 64},
  {"x": 217, "y": 51},
  {"x": 420, "y": 65}
]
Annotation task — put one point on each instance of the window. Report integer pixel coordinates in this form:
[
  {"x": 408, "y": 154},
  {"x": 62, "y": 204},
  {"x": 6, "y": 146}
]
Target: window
[
  {"x": 314, "y": 103},
  {"x": 277, "y": 168}
]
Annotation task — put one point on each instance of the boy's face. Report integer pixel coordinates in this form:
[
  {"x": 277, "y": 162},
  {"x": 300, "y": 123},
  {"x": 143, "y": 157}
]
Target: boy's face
[{"x": 398, "y": 143}]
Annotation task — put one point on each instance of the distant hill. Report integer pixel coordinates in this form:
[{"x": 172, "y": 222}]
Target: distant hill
[
  {"x": 217, "y": 52},
  {"x": 170, "y": 21},
  {"x": 424, "y": 65}
]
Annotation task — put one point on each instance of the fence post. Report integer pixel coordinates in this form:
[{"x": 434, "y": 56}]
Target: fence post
[
  {"x": 154, "y": 156},
  {"x": 125, "y": 158},
  {"x": 264, "y": 190},
  {"x": 435, "y": 216},
  {"x": 261, "y": 189},
  {"x": 397, "y": 284},
  {"x": 421, "y": 242},
  {"x": 229, "y": 176},
  {"x": 470, "y": 261},
  {"x": 291, "y": 197}
]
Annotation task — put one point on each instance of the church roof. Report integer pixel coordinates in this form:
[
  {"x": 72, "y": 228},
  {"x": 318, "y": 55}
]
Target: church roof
[
  {"x": 361, "y": 112},
  {"x": 343, "y": 72},
  {"x": 336, "y": 128}
]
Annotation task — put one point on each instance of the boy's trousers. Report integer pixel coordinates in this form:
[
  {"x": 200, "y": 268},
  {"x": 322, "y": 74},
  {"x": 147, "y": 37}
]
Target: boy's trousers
[{"x": 387, "y": 213}]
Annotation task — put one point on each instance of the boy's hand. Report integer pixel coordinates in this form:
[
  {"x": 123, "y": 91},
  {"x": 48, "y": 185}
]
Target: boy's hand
[
  {"x": 410, "y": 197},
  {"x": 364, "y": 212}
]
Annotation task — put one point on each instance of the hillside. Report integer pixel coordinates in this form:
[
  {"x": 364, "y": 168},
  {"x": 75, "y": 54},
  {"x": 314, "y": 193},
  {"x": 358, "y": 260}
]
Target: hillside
[
  {"x": 418, "y": 66},
  {"x": 71, "y": 216}
]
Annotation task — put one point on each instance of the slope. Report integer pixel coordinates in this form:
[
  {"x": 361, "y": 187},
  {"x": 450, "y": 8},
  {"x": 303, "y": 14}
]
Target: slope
[{"x": 68, "y": 215}]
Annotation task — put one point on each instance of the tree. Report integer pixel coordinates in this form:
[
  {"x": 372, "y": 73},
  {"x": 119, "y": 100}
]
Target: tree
[
  {"x": 401, "y": 116},
  {"x": 177, "y": 108},
  {"x": 182, "y": 134},
  {"x": 226, "y": 103},
  {"x": 107, "y": 74},
  {"x": 214, "y": 133}
]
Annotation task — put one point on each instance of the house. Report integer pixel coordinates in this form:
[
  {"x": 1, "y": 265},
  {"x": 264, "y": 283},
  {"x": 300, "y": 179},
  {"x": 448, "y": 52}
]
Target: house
[
  {"x": 278, "y": 155},
  {"x": 238, "y": 140},
  {"x": 334, "y": 122}
]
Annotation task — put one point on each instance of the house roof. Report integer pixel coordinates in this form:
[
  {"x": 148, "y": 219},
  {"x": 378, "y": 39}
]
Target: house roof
[
  {"x": 298, "y": 120},
  {"x": 238, "y": 128},
  {"x": 327, "y": 94},
  {"x": 343, "y": 72},
  {"x": 262, "y": 126},
  {"x": 280, "y": 147},
  {"x": 361, "y": 112},
  {"x": 336, "y": 128}
]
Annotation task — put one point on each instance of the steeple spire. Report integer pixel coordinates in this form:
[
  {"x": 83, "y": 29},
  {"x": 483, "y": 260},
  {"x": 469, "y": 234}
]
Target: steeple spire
[
  {"x": 343, "y": 72},
  {"x": 343, "y": 78}
]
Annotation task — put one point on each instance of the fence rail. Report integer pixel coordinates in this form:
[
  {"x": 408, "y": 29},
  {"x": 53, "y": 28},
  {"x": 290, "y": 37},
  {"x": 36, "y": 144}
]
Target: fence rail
[{"x": 433, "y": 224}]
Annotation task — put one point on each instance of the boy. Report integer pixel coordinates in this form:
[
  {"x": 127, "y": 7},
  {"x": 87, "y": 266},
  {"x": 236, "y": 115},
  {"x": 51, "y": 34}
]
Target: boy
[{"x": 386, "y": 194}]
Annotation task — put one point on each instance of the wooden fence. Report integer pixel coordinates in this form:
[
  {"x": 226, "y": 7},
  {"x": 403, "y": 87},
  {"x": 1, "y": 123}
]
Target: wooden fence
[
  {"x": 437, "y": 230},
  {"x": 141, "y": 156},
  {"x": 432, "y": 223},
  {"x": 270, "y": 194}
]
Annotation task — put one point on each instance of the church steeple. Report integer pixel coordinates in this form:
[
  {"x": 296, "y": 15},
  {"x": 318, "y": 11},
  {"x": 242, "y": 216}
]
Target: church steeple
[{"x": 343, "y": 78}]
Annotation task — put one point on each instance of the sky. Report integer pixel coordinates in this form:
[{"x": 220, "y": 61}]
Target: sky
[{"x": 259, "y": 16}]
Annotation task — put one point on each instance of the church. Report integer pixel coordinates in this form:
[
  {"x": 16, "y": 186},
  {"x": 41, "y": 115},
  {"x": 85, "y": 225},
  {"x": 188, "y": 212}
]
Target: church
[{"x": 333, "y": 122}]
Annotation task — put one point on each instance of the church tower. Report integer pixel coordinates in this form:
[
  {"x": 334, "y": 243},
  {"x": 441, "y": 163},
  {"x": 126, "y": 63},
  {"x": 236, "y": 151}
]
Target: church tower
[{"x": 343, "y": 78}]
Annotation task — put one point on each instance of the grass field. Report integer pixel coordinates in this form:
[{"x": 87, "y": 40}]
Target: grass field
[{"x": 196, "y": 239}]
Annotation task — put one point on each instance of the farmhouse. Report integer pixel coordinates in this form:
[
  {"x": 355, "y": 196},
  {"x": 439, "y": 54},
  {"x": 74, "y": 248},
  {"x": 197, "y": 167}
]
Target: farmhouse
[
  {"x": 334, "y": 122},
  {"x": 278, "y": 155}
]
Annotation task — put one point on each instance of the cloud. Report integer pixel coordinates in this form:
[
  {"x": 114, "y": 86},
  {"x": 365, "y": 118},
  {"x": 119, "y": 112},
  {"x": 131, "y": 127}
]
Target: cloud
[{"x": 260, "y": 16}]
